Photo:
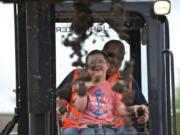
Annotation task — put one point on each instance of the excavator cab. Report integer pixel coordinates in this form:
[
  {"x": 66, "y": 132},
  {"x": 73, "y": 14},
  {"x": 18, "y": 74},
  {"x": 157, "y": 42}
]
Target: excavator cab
[{"x": 41, "y": 58}]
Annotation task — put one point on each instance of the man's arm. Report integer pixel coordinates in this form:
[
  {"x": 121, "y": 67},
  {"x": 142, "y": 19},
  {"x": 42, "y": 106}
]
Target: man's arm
[
  {"x": 140, "y": 102},
  {"x": 63, "y": 90},
  {"x": 138, "y": 97}
]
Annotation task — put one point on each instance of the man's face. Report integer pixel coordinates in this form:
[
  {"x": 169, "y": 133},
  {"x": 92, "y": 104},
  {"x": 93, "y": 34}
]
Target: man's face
[{"x": 115, "y": 58}]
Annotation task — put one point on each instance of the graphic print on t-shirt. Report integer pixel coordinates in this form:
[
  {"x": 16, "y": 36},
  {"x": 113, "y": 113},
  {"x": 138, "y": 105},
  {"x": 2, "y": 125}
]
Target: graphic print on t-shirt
[{"x": 98, "y": 103}]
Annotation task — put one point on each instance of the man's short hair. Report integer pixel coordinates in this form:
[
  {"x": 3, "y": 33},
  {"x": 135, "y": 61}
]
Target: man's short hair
[{"x": 118, "y": 43}]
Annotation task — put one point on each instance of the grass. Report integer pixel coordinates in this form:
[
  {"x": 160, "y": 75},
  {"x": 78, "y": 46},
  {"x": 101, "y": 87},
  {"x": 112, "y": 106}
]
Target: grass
[
  {"x": 14, "y": 130},
  {"x": 178, "y": 123},
  {"x": 178, "y": 98},
  {"x": 178, "y": 107}
]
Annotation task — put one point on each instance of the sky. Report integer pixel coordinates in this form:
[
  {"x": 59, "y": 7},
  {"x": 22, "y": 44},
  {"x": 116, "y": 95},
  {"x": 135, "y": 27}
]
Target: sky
[
  {"x": 7, "y": 52},
  {"x": 174, "y": 22},
  {"x": 7, "y": 58}
]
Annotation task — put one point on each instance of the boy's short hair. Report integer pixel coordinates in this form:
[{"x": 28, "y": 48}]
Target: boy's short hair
[{"x": 98, "y": 52}]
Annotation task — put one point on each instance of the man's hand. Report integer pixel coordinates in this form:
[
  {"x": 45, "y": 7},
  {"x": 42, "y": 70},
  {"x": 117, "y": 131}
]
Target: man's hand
[
  {"x": 59, "y": 116},
  {"x": 145, "y": 117},
  {"x": 60, "y": 104},
  {"x": 141, "y": 113}
]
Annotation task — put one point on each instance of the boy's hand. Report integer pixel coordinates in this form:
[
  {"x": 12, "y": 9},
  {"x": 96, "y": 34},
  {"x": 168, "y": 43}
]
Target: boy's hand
[{"x": 82, "y": 87}]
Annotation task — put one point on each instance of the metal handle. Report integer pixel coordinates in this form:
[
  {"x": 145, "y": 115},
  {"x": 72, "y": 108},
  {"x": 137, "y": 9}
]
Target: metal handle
[{"x": 169, "y": 53}]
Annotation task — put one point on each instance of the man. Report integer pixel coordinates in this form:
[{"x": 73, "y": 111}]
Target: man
[{"x": 115, "y": 51}]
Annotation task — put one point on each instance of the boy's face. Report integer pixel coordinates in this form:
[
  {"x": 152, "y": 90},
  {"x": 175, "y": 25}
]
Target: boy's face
[{"x": 97, "y": 66}]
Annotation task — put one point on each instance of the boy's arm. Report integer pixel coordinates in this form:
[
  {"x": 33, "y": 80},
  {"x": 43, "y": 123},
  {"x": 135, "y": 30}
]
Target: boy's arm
[
  {"x": 120, "y": 107},
  {"x": 81, "y": 102}
]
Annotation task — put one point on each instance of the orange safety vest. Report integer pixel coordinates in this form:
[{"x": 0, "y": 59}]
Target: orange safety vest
[
  {"x": 115, "y": 78},
  {"x": 72, "y": 115}
]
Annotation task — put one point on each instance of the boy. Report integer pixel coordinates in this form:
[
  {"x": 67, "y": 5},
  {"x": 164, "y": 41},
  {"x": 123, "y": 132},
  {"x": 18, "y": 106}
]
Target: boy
[{"x": 98, "y": 105}]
